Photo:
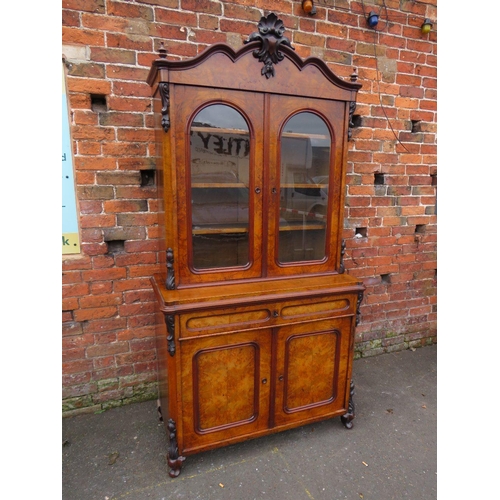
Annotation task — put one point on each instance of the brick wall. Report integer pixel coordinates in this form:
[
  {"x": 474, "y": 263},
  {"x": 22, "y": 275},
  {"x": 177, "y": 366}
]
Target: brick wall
[{"x": 390, "y": 225}]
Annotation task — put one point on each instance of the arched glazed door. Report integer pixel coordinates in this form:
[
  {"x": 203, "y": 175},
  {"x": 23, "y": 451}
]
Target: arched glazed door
[
  {"x": 219, "y": 175},
  {"x": 306, "y": 185}
]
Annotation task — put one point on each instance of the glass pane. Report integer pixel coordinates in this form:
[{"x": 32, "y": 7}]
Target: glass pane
[
  {"x": 220, "y": 150},
  {"x": 304, "y": 176}
]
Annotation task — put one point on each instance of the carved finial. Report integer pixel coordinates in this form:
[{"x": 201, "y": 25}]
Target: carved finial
[
  {"x": 354, "y": 75},
  {"x": 270, "y": 35},
  {"x": 162, "y": 51}
]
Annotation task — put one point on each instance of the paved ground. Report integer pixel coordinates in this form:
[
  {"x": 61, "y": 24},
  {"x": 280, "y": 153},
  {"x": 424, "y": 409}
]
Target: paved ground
[{"x": 390, "y": 453}]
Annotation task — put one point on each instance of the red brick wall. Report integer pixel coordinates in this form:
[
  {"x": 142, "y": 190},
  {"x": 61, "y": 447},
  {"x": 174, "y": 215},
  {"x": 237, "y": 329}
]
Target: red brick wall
[{"x": 108, "y": 320}]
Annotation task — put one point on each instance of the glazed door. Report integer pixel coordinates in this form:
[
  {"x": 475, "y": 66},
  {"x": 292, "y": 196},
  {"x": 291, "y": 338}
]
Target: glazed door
[
  {"x": 218, "y": 151},
  {"x": 225, "y": 383},
  {"x": 313, "y": 363},
  {"x": 305, "y": 185}
]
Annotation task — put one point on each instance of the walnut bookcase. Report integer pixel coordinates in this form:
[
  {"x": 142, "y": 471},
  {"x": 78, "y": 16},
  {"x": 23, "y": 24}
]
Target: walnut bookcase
[{"x": 256, "y": 316}]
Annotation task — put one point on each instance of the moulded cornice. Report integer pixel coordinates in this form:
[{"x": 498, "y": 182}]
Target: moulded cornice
[{"x": 250, "y": 47}]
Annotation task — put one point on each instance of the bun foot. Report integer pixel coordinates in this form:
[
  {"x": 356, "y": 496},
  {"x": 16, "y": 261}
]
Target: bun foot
[{"x": 175, "y": 466}]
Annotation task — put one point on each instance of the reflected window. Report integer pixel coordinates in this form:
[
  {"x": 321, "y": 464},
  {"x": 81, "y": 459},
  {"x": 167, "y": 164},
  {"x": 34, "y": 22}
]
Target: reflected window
[
  {"x": 220, "y": 152},
  {"x": 305, "y": 147}
]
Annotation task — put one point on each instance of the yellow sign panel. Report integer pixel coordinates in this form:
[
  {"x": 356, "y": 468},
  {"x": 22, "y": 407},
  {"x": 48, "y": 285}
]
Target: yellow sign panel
[{"x": 70, "y": 243}]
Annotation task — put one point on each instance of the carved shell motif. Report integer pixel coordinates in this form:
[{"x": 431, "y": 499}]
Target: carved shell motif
[{"x": 271, "y": 36}]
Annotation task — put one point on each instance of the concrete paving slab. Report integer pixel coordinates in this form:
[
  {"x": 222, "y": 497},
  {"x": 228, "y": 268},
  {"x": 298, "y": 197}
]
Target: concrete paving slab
[{"x": 390, "y": 453}]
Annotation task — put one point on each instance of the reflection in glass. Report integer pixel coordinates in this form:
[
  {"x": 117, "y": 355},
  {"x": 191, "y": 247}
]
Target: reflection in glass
[
  {"x": 220, "y": 151},
  {"x": 304, "y": 176}
]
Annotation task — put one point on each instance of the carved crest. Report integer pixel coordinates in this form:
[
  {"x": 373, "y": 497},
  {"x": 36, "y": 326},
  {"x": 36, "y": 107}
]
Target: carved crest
[{"x": 271, "y": 36}]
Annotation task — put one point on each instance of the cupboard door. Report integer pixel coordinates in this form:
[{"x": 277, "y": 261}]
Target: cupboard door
[
  {"x": 225, "y": 387},
  {"x": 305, "y": 177},
  {"x": 219, "y": 174},
  {"x": 312, "y": 367}
]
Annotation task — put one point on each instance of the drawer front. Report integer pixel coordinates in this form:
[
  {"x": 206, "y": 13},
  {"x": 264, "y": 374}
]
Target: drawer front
[
  {"x": 229, "y": 319},
  {"x": 265, "y": 315},
  {"x": 312, "y": 309}
]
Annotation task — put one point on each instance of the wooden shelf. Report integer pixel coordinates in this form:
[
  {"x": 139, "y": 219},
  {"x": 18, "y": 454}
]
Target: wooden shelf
[
  {"x": 301, "y": 227},
  {"x": 305, "y": 136},
  {"x": 232, "y": 185},
  {"x": 303, "y": 185},
  {"x": 241, "y": 185},
  {"x": 214, "y": 130},
  {"x": 232, "y": 131},
  {"x": 220, "y": 229}
]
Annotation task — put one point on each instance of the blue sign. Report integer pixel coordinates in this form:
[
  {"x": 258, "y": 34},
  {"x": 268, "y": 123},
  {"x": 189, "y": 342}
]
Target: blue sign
[{"x": 70, "y": 234}]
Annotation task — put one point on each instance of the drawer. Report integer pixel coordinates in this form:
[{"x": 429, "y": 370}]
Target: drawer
[
  {"x": 269, "y": 314},
  {"x": 312, "y": 309},
  {"x": 224, "y": 320}
]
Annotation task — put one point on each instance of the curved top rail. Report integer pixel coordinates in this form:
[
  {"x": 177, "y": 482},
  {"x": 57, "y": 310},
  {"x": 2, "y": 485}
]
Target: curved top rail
[{"x": 253, "y": 46}]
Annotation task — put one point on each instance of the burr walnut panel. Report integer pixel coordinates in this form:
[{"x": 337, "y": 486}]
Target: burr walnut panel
[
  {"x": 306, "y": 353},
  {"x": 312, "y": 369},
  {"x": 225, "y": 386}
]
